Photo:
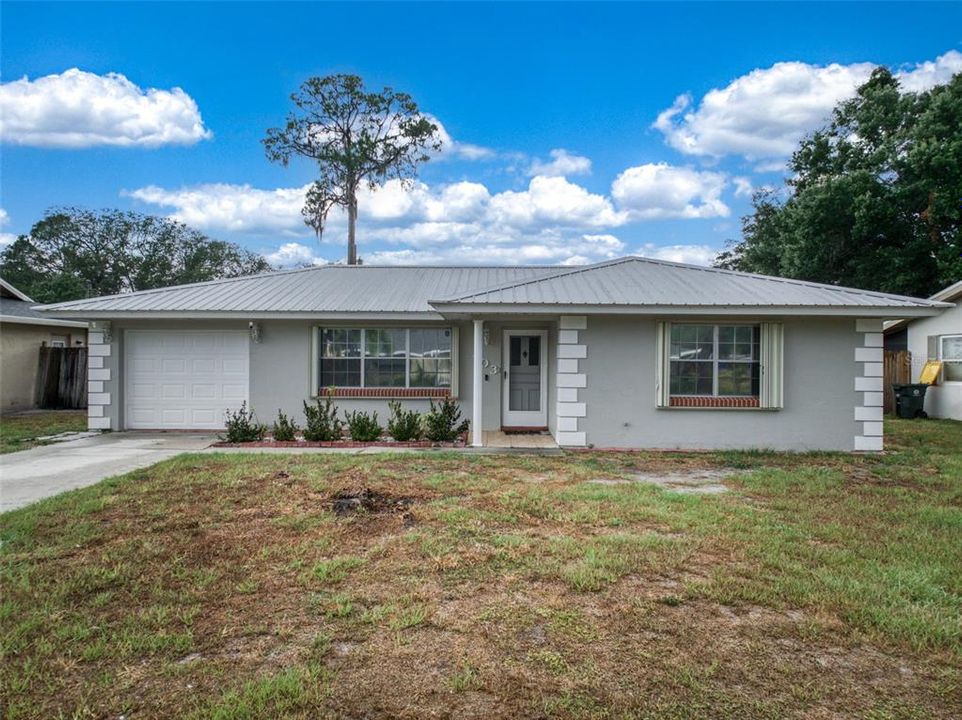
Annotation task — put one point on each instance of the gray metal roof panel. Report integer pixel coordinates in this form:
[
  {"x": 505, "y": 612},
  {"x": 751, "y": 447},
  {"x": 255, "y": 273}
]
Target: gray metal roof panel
[
  {"x": 625, "y": 282},
  {"x": 323, "y": 289},
  {"x": 636, "y": 281}
]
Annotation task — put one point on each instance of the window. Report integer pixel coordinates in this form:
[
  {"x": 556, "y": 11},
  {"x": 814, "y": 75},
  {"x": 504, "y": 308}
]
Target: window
[
  {"x": 950, "y": 353},
  {"x": 715, "y": 360},
  {"x": 385, "y": 357}
]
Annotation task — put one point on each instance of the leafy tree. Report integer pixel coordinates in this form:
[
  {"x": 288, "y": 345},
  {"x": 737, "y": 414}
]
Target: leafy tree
[
  {"x": 355, "y": 136},
  {"x": 874, "y": 197},
  {"x": 75, "y": 253}
]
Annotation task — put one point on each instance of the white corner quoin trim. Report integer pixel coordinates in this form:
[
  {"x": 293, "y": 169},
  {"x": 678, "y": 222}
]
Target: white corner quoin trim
[
  {"x": 98, "y": 373},
  {"x": 570, "y": 382},
  {"x": 868, "y": 359}
]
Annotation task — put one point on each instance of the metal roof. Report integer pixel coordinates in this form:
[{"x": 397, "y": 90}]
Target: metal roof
[
  {"x": 643, "y": 282},
  {"x": 629, "y": 284},
  {"x": 316, "y": 290},
  {"x": 949, "y": 294}
]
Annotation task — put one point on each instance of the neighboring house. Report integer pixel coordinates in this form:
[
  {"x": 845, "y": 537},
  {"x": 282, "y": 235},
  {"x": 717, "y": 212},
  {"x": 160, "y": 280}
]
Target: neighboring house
[
  {"x": 632, "y": 353},
  {"x": 22, "y": 331},
  {"x": 935, "y": 338}
]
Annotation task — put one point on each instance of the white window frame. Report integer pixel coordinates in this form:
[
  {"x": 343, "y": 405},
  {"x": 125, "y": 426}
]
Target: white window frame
[
  {"x": 715, "y": 359},
  {"x": 771, "y": 359},
  {"x": 316, "y": 358},
  {"x": 942, "y": 339}
]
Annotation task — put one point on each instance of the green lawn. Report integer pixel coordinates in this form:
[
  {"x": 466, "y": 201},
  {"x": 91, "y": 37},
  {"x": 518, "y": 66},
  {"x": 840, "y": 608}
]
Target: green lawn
[
  {"x": 19, "y": 432},
  {"x": 225, "y": 586}
]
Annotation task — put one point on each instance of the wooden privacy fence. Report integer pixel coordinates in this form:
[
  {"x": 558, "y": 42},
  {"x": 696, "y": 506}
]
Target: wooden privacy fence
[
  {"x": 896, "y": 368},
  {"x": 62, "y": 378}
]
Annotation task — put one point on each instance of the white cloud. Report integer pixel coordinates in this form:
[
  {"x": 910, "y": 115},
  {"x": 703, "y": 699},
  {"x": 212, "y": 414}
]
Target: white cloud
[
  {"x": 552, "y": 221},
  {"x": 78, "y": 109},
  {"x": 689, "y": 254},
  {"x": 926, "y": 75},
  {"x": 451, "y": 148},
  {"x": 545, "y": 249},
  {"x": 743, "y": 187},
  {"x": 659, "y": 190},
  {"x": 293, "y": 254},
  {"x": 5, "y": 237},
  {"x": 235, "y": 208},
  {"x": 548, "y": 202},
  {"x": 562, "y": 164},
  {"x": 554, "y": 200},
  {"x": 764, "y": 114}
]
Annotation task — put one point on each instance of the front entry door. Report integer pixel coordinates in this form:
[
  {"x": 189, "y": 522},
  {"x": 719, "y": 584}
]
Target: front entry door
[{"x": 525, "y": 401}]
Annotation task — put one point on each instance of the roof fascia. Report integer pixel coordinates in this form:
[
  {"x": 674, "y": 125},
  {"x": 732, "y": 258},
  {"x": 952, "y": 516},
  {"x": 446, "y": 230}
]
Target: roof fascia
[
  {"x": 685, "y": 310},
  {"x": 53, "y": 322},
  {"x": 252, "y": 315},
  {"x": 17, "y": 293}
]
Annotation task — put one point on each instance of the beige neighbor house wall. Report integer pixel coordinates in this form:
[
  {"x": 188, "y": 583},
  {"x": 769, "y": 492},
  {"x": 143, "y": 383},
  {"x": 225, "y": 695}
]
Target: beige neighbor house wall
[{"x": 19, "y": 357}]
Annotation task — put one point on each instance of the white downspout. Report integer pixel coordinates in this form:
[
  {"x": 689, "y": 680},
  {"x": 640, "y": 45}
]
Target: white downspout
[{"x": 477, "y": 392}]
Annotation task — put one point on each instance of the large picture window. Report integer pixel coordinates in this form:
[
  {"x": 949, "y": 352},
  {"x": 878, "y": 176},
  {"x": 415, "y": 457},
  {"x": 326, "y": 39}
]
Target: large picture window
[
  {"x": 950, "y": 353},
  {"x": 384, "y": 357},
  {"x": 714, "y": 360}
]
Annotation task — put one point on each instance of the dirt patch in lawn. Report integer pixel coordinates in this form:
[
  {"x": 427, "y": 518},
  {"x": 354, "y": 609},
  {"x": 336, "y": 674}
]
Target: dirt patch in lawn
[
  {"x": 366, "y": 500},
  {"x": 699, "y": 481}
]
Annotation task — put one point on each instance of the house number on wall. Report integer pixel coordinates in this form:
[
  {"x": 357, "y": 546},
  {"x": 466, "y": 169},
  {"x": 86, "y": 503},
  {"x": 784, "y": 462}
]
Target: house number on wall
[{"x": 490, "y": 367}]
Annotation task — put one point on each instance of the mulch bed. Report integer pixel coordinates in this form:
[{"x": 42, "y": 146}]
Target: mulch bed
[{"x": 341, "y": 444}]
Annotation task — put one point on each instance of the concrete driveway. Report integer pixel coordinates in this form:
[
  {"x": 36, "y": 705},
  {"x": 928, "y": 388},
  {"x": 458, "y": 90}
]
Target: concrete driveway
[{"x": 31, "y": 475}]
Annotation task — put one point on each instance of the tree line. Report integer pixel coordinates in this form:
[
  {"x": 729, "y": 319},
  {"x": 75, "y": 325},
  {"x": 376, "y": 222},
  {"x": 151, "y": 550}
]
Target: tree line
[{"x": 872, "y": 200}]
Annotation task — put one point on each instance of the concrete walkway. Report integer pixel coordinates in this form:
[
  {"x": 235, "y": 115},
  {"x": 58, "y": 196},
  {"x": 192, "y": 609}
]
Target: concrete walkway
[{"x": 31, "y": 475}]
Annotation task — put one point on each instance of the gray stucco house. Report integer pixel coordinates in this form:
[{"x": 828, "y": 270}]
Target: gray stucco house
[
  {"x": 936, "y": 338},
  {"x": 629, "y": 353}
]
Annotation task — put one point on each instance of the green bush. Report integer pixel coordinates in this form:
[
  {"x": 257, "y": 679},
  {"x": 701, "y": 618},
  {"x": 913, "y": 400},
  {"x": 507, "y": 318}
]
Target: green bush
[
  {"x": 404, "y": 425},
  {"x": 441, "y": 424},
  {"x": 284, "y": 428},
  {"x": 363, "y": 427},
  {"x": 322, "y": 423},
  {"x": 242, "y": 426}
]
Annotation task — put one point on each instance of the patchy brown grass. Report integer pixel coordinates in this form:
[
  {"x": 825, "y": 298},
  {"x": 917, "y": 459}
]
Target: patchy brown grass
[{"x": 227, "y": 586}]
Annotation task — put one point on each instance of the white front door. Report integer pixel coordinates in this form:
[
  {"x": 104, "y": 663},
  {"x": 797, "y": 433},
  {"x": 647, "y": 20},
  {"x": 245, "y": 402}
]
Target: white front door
[
  {"x": 525, "y": 401},
  {"x": 184, "y": 380}
]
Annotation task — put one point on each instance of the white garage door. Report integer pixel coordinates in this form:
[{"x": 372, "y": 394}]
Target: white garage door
[{"x": 180, "y": 380}]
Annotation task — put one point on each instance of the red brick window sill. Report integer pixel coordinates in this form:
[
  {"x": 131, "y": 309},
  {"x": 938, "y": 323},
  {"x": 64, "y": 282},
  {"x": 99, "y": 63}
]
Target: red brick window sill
[
  {"x": 386, "y": 392},
  {"x": 713, "y": 402}
]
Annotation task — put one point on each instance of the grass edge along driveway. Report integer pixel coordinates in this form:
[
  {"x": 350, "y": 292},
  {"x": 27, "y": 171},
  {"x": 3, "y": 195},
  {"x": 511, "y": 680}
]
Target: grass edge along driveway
[{"x": 19, "y": 431}]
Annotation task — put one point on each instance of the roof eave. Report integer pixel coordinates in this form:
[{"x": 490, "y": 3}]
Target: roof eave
[
  {"x": 18, "y": 294},
  {"x": 245, "y": 315},
  {"x": 663, "y": 310},
  {"x": 51, "y": 322}
]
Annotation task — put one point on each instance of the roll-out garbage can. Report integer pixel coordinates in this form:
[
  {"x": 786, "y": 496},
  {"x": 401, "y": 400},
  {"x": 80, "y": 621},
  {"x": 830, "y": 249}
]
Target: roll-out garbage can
[{"x": 910, "y": 400}]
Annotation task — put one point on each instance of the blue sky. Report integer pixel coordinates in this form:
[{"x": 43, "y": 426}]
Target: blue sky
[{"x": 576, "y": 132}]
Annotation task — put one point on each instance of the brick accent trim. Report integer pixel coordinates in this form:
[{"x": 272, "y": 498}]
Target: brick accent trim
[
  {"x": 386, "y": 392},
  {"x": 713, "y": 402}
]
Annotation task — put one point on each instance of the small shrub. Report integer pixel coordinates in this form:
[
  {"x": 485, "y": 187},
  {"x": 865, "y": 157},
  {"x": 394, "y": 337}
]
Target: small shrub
[
  {"x": 242, "y": 426},
  {"x": 404, "y": 425},
  {"x": 321, "y": 421},
  {"x": 284, "y": 428},
  {"x": 363, "y": 427},
  {"x": 441, "y": 424}
]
